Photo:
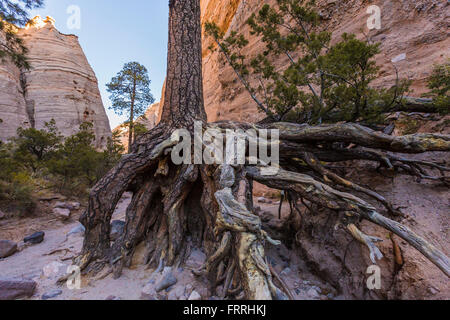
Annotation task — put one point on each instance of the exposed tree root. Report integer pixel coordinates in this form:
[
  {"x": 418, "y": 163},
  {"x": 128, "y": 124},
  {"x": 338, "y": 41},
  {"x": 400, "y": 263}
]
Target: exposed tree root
[{"x": 213, "y": 206}]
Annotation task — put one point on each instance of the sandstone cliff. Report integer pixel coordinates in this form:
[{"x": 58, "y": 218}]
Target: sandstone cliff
[
  {"x": 418, "y": 29},
  {"x": 60, "y": 85}
]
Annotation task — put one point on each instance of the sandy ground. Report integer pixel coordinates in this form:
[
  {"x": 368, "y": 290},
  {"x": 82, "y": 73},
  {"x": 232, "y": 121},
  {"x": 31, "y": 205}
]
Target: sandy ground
[{"x": 58, "y": 249}]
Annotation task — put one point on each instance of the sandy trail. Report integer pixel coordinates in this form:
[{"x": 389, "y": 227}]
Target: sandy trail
[{"x": 58, "y": 248}]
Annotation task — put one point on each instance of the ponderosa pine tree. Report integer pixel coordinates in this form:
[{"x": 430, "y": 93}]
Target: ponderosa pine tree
[
  {"x": 210, "y": 206},
  {"x": 130, "y": 94}
]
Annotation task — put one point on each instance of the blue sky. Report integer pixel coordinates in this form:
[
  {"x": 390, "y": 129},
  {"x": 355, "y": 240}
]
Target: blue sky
[{"x": 114, "y": 32}]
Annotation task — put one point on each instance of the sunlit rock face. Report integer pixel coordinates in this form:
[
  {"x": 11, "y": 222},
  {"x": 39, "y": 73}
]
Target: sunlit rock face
[
  {"x": 416, "y": 28},
  {"x": 60, "y": 85},
  {"x": 150, "y": 119}
]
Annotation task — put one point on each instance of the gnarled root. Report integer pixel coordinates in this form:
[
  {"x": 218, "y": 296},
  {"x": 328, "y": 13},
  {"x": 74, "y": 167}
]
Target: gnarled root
[{"x": 328, "y": 197}]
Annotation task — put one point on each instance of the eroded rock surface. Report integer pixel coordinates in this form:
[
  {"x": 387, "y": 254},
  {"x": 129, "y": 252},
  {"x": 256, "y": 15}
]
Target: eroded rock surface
[{"x": 60, "y": 85}]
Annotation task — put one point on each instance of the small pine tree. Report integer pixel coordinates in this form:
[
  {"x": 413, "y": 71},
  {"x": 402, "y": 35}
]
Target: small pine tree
[
  {"x": 14, "y": 14},
  {"x": 130, "y": 94},
  {"x": 34, "y": 147},
  {"x": 439, "y": 85}
]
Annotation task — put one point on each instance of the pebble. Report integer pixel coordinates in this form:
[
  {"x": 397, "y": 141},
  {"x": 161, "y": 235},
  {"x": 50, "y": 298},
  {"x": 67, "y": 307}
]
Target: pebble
[
  {"x": 35, "y": 238},
  {"x": 195, "y": 296},
  {"x": 52, "y": 294},
  {"x": 167, "y": 280}
]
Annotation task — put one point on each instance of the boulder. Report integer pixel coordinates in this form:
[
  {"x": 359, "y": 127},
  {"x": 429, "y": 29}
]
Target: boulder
[
  {"x": 52, "y": 294},
  {"x": 7, "y": 248},
  {"x": 167, "y": 280},
  {"x": 117, "y": 228},
  {"x": 11, "y": 289},
  {"x": 62, "y": 213},
  {"x": 35, "y": 238}
]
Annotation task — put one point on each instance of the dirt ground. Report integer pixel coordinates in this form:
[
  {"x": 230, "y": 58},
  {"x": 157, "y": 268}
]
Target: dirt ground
[{"x": 325, "y": 264}]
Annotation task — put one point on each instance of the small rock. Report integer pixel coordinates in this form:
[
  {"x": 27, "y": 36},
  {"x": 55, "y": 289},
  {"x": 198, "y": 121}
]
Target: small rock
[
  {"x": 14, "y": 289},
  {"x": 148, "y": 292},
  {"x": 35, "y": 238},
  {"x": 262, "y": 200},
  {"x": 312, "y": 293},
  {"x": 51, "y": 294},
  {"x": 433, "y": 290},
  {"x": 80, "y": 229},
  {"x": 167, "y": 280},
  {"x": 196, "y": 259},
  {"x": 117, "y": 229},
  {"x": 2, "y": 215},
  {"x": 195, "y": 296},
  {"x": 74, "y": 205},
  {"x": 54, "y": 270},
  {"x": 286, "y": 272},
  {"x": 61, "y": 205},
  {"x": 112, "y": 298},
  {"x": 7, "y": 248},
  {"x": 317, "y": 289},
  {"x": 62, "y": 213}
]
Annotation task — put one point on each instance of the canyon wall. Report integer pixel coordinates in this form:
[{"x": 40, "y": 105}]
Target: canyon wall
[
  {"x": 418, "y": 29},
  {"x": 60, "y": 85}
]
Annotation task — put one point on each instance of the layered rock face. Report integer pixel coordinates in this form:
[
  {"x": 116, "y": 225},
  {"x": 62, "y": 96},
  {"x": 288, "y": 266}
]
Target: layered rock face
[
  {"x": 60, "y": 85},
  {"x": 418, "y": 29},
  {"x": 13, "y": 113}
]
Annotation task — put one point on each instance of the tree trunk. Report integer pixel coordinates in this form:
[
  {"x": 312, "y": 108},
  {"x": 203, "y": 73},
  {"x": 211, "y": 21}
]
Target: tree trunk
[
  {"x": 131, "y": 128},
  {"x": 183, "y": 103}
]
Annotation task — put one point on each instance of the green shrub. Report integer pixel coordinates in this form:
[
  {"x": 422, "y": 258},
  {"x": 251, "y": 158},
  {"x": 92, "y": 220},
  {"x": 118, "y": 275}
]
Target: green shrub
[{"x": 439, "y": 85}]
